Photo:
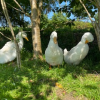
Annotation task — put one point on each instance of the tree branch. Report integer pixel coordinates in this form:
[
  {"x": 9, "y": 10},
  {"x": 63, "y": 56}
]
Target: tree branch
[
  {"x": 40, "y": 4},
  {"x": 98, "y": 2},
  {"x": 40, "y": 7},
  {"x": 86, "y": 10},
  {"x": 21, "y": 8},
  {"x": 15, "y": 8},
  {"x": 95, "y": 3},
  {"x": 5, "y": 36},
  {"x": 30, "y": 2},
  {"x": 7, "y": 16},
  {"x": 19, "y": 5}
]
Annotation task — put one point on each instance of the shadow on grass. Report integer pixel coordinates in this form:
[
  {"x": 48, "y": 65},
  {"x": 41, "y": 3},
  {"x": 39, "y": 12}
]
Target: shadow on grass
[
  {"x": 90, "y": 87},
  {"x": 25, "y": 83}
]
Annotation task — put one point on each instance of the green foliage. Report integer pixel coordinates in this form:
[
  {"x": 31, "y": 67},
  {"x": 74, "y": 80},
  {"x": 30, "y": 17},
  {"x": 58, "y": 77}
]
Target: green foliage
[
  {"x": 74, "y": 7},
  {"x": 58, "y": 21},
  {"x": 44, "y": 22},
  {"x": 17, "y": 18}
]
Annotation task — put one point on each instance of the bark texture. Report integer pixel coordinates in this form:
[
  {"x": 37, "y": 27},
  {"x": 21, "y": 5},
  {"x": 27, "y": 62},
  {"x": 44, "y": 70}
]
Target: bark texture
[{"x": 35, "y": 20}]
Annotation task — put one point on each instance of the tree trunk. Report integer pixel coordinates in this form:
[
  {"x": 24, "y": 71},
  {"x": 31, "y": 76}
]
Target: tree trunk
[
  {"x": 97, "y": 27},
  {"x": 97, "y": 31},
  {"x": 35, "y": 20}
]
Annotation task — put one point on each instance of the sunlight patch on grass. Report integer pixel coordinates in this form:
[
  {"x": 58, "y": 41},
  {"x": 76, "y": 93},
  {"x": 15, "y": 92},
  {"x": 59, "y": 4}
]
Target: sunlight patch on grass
[
  {"x": 24, "y": 82},
  {"x": 15, "y": 93},
  {"x": 87, "y": 86}
]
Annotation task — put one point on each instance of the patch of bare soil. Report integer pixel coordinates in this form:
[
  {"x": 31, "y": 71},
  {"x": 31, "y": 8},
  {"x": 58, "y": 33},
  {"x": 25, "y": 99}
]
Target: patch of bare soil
[{"x": 63, "y": 95}]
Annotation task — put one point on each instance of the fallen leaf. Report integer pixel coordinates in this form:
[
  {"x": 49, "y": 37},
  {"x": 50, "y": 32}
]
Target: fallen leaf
[{"x": 59, "y": 85}]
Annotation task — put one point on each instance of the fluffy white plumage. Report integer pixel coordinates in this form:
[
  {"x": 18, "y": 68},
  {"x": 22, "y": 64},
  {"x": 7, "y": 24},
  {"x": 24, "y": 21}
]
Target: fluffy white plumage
[
  {"x": 8, "y": 52},
  {"x": 79, "y": 52},
  {"x": 53, "y": 53}
]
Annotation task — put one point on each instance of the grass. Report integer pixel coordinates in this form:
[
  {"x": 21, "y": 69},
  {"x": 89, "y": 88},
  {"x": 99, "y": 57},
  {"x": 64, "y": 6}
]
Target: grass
[{"x": 34, "y": 81}]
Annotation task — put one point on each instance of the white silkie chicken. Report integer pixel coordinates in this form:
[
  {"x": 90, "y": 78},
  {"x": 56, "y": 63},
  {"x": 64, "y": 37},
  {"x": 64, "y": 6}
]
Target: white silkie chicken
[
  {"x": 8, "y": 52},
  {"x": 79, "y": 52},
  {"x": 53, "y": 53}
]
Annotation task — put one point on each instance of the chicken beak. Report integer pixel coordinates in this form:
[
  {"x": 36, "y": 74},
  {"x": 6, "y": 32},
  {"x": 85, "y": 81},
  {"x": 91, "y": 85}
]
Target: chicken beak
[
  {"x": 26, "y": 38},
  {"x": 55, "y": 40},
  {"x": 86, "y": 41}
]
